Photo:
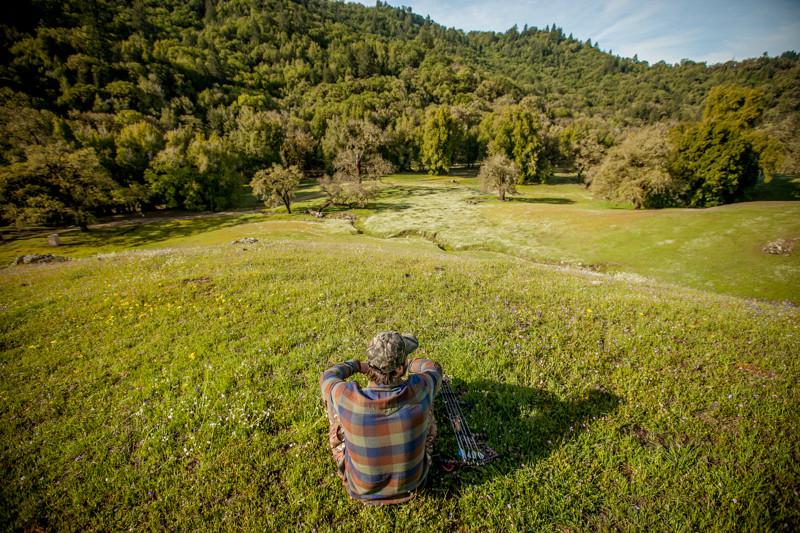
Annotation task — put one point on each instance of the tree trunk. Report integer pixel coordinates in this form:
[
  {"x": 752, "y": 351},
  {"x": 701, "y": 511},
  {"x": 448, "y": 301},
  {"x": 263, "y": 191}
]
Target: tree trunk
[
  {"x": 502, "y": 195},
  {"x": 287, "y": 203}
]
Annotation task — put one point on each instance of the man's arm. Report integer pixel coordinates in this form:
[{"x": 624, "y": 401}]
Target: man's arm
[
  {"x": 427, "y": 368},
  {"x": 335, "y": 375}
]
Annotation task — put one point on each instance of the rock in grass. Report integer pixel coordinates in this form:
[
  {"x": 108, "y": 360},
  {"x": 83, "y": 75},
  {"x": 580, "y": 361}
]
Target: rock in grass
[
  {"x": 779, "y": 247},
  {"x": 245, "y": 240},
  {"x": 39, "y": 258},
  {"x": 345, "y": 216}
]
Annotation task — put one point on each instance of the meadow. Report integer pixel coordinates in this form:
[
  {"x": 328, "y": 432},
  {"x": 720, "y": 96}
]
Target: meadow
[
  {"x": 717, "y": 249},
  {"x": 168, "y": 379}
]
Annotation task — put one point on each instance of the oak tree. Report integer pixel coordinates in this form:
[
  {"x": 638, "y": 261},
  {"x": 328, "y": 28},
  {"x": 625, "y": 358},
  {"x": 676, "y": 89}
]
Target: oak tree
[
  {"x": 499, "y": 174},
  {"x": 277, "y": 184}
]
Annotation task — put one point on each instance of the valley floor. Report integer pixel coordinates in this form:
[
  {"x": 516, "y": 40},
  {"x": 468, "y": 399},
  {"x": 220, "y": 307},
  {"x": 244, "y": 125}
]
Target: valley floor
[
  {"x": 718, "y": 249},
  {"x": 168, "y": 379}
]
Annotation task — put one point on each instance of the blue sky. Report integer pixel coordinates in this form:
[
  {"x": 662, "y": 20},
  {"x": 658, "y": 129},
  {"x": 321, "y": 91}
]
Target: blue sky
[{"x": 713, "y": 31}]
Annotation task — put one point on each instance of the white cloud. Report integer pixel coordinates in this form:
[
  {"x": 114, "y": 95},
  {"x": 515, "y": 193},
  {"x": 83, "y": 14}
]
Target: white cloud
[
  {"x": 781, "y": 39},
  {"x": 713, "y": 58},
  {"x": 655, "y": 49},
  {"x": 655, "y": 30},
  {"x": 629, "y": 25}
]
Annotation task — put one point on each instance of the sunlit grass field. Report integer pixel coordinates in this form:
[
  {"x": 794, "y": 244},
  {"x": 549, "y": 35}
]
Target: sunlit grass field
[
  {"x": 168, "y": 379},
  {"x": 178, "y": 389},
  {"x": 717, "y": 249}
]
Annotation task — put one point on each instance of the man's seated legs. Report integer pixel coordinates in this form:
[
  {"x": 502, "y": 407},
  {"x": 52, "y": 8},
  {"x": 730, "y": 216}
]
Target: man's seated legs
[
  {"x": 432, "y": 433},
  {"x": 336, "y": 443}
]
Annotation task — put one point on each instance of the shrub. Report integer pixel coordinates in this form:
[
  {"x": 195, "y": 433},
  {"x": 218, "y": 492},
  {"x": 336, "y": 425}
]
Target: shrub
[
  {"x": 499, "y": 174},
  {"x": 276, "y": 185},
  {"x": 636, "y": 171}
]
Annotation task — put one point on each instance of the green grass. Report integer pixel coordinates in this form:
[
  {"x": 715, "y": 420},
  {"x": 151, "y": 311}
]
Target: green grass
[
  {"x": 168, "y": 232},
  {"x": 178, "y": 389},
  {"x": 167, "y": 379},
  {"x": 716, "y": 249}
]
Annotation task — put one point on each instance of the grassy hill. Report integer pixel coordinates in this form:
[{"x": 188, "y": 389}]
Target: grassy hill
[
  {"x": 173, "y": 382},
  {"x": 718, "y": 249}
]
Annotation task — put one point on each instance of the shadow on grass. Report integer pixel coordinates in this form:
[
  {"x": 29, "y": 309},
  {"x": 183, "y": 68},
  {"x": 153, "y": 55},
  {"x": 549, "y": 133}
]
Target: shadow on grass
[
  {"x": 386, "y": 206},
  {"x": 555, "y": 201},
  {"x": 464, "y": 172},
  {"x": 414, "y": 191},
  {"x": 136, "y": 232},
  {"x": 563, "y": 179},
  {"x": 778, "y": 189},
  {"x": 308, "y": 191},
  {"x": 522, "y": 424},
  {"x": 336, "y": 209},
  {"x": 396, "y": 195}
]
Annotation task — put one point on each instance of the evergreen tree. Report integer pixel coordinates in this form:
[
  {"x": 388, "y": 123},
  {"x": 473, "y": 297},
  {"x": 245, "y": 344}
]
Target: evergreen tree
[
  {"x": 439, "y": 136},
  {"x": 195, "y": 172},
  {"x": 257, "y": 138},
  {"x": 722, "y": 156},
  {"x": 717, "y": 160},
  {"x": 136, "y": 145},
  {"x": 517, "y": 132}
]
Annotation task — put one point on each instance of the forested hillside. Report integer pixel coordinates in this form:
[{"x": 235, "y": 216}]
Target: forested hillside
[{"x": 111, "y": 106}]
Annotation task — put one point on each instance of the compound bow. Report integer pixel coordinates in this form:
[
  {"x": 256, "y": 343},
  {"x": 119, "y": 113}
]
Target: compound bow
[{"x": 470, "y": 452}]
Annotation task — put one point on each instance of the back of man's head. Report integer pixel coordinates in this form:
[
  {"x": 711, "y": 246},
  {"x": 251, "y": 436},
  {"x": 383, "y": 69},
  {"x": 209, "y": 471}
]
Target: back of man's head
[{"x": 388, "y": 351}]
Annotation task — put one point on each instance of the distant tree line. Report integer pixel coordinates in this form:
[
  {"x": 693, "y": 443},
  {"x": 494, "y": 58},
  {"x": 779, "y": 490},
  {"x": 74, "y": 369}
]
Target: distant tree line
[
  {"x": 713, "y": 161},
  {"x": 122, "y": 107}
]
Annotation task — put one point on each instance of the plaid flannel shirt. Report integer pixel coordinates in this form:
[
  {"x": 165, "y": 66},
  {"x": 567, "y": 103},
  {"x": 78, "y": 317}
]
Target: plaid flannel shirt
[{"x": 385, "y": 428}]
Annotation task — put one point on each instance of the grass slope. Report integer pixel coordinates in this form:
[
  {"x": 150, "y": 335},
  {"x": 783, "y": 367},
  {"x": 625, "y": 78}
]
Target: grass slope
[
  {"x": 717, "y": 249},
  {"x": 178, "y": 389}
]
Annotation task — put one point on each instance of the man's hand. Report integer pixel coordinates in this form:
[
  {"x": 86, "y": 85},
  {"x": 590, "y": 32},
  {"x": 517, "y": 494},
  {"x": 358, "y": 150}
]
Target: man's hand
[{"x": 363, "y": 367}]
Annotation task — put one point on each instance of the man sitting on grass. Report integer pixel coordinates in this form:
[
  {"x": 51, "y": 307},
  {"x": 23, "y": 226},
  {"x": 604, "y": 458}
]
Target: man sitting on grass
[{"x": 382, "y": 436}]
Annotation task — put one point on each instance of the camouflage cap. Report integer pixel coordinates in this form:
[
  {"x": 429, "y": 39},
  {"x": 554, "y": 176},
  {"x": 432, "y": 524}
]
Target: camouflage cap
[{"x": 388, "y": 350}]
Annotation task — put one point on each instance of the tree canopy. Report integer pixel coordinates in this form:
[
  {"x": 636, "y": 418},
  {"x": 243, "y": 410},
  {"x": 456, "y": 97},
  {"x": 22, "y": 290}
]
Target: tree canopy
[
  {"x": 356, "y": 161},
  {"x": 439, "y": 137},
  {"x": 636, "y": 171},
  {"x": 276, "y": 184},
  {"x": 56, "y": 184},
  {"x": 713, "y": 161},
  {"x": 181, "y": 101},
  {"x": 499, "y": 174}
]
